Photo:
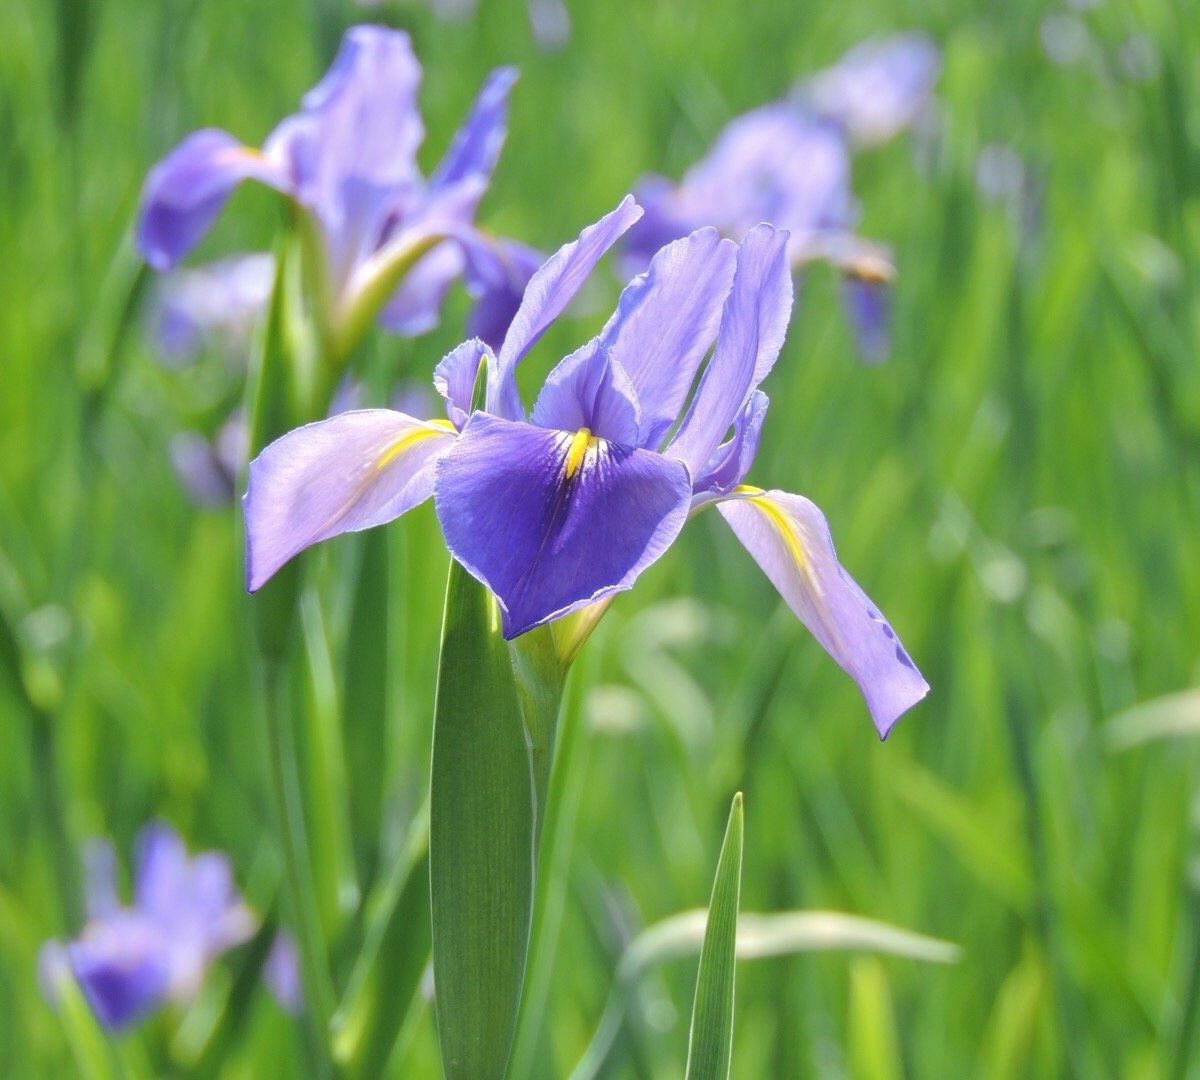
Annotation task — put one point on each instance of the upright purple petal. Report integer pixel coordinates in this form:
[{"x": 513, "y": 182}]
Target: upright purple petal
[
  {"x": 589, "y": 390},
  {"x": 186, "y": 191},
  {"x": 477, "y": 144},
  {"x": 789, "y": 538},
  {"x": 729, "y": 465},
  {"x": 547, "y": 294},
  {"x": 161, "y": 868},
  {"x": 878, "y": 88},
  {"x": 454, "y": 378},
  {"x": 753, "y": 326},
  {"x": 351, "y": 150},
  {"x": 550, "y": 522},
  {"x": 340, "y": 475},
  {"x": 665, "y": 322}
]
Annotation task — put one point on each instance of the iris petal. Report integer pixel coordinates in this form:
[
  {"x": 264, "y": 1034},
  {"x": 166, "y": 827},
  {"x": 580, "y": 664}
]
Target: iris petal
[
  {"x": 477, "y": 144},
  {"x": 454, "y": 377},
  {"x": 551, "y": 521},
  {"x": 340, "y": 475},
  {"x": 665, "y": 322},
  {"x": 589, "y": 389},
  {"x": 547, "y": 294},
  {"x": 733, "y": 459},
  {"x": 753, "y": 326},
  {"x": 186, "y": 191},
  {"x": 789, "y": 538}
]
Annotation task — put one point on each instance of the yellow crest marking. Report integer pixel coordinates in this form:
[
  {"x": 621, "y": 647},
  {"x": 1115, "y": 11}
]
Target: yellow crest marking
[{"x": 406, "y": 441}]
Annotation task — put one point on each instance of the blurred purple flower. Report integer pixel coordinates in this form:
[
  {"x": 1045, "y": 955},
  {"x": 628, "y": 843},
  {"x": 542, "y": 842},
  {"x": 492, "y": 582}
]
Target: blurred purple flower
[
  {"x": 348, "y": 160},
  {"x": 218, "y": 304},
  {"x": 877, "y": 89},
  {"x": 788, "y": 163},
  {"x": 209, "y": 469},
  {"x": 281, "y": 973},
  {"x": 562, "y": 509},
  {"x": 548, "y": 19},
  {"x": 129, "y": 961}
]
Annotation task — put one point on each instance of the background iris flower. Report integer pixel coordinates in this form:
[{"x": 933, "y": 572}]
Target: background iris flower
[
  {"x": 132, "y": 960},
  {"x": 789, "y": 163},
  {"x": 384, "y": 239},
  {"x": 566, "y": 507}
]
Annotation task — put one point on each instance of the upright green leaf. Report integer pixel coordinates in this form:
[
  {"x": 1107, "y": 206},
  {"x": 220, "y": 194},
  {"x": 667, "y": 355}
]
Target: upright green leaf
[
  {"x": 710, "y": 1042},
  {"x": 493, "y": 730}
]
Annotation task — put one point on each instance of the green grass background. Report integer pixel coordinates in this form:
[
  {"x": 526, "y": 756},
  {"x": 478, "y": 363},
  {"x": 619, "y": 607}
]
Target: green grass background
[{"x": 1018, "y": 489}]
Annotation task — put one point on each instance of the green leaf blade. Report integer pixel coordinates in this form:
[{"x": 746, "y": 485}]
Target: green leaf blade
[
  {"x": 484, "y": 815},
  {"x": 710, "y": 1043}
]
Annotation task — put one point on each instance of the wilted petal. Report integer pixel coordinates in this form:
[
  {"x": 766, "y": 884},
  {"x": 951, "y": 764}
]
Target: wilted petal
[
  {"x": 665, "y": 322},
  {"x": 186, "y": 191},
  {"x": 477, "y": 144},
  {"x": 753, "y": 326},
  {"x": 454, "y": 378},
  {"x": 730, "y": 464},
  {"x": 547, "y": 294},
  {"x": 868, "y": 303},
  {"x": 878, "y": 87},
  {"x": 789, "y": 538},
  {"x": 341, "y": 475},
  {"x": 590, "y": 390},
  {"x": 549, "y": 525}
]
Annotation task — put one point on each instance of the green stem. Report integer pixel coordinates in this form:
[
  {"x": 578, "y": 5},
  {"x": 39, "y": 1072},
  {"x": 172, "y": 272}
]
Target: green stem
[{"x": 283, "y": 768}]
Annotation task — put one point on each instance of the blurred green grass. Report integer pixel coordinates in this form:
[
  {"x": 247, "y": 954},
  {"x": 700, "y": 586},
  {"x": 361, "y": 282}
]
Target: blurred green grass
[{"x": 1018, "y": 489}]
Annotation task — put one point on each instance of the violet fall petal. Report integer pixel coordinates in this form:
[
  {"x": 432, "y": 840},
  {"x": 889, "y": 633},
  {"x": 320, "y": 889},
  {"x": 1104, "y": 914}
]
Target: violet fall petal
[
  {"x": 550, "y": 524},
  {"x": 789, "y": 538},
  {"x": 340, "y": 475},
  {"x": 186, "y": 191}
]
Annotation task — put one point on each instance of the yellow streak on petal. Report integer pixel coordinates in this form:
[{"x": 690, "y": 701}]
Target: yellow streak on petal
[
  {"x": 581, "y": 442},
  {"x": 786, "y": 530},
  {"x": 406, "y": 441}
]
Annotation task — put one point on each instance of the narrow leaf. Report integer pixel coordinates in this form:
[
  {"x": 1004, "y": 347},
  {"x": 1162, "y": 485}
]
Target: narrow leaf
[
  {"x": 496, "y": 705},
  {"x": 710, "y": 1043}
]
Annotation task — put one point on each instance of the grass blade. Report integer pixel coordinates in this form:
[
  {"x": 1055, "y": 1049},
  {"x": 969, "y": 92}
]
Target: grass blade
[{"x": 710, "y": 1042}]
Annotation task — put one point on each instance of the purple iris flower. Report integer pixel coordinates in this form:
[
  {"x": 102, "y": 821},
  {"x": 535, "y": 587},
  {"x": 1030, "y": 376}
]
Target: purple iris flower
[
  {"x": 348, "y": 161},
  {"x": 788, "y": 163},
  {"x": 131, "y": 960},
  {"x": 560, "y": 509}
]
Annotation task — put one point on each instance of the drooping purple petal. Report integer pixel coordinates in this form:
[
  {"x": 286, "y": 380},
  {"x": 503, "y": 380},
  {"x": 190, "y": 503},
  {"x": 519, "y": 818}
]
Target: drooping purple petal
[
  {"x": 753, "y": 326},
  {"x": 729, "y": 465},
  {"x": 340, "y": 475},
  {"x": 454, "y": 377},
  {"x": 477, "y": 144},
  {"x": 589, "y": 390},
  {"x": 547, "y": 294},
  {"x": 789, "y": 538},
  {"x": 122, "y": 967},
  {"x": 186, "y": 191},
  {"x": 878, "y": 88},
  {"x": 665, "y": 322},
  {"x": 868, "y": 303},
  {"x": 351, "y": 150},
  {"x": 550, "y": 523}
]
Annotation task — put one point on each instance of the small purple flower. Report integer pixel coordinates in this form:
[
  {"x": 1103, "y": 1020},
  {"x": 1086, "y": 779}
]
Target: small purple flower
[
  {"x": 559, "y": 509},
  {"x": 348, "y": 161},
  {"x": 129, "y": 961},
  {"x": 281, "y": 973},
  {"x": 788, "y": 163}
]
